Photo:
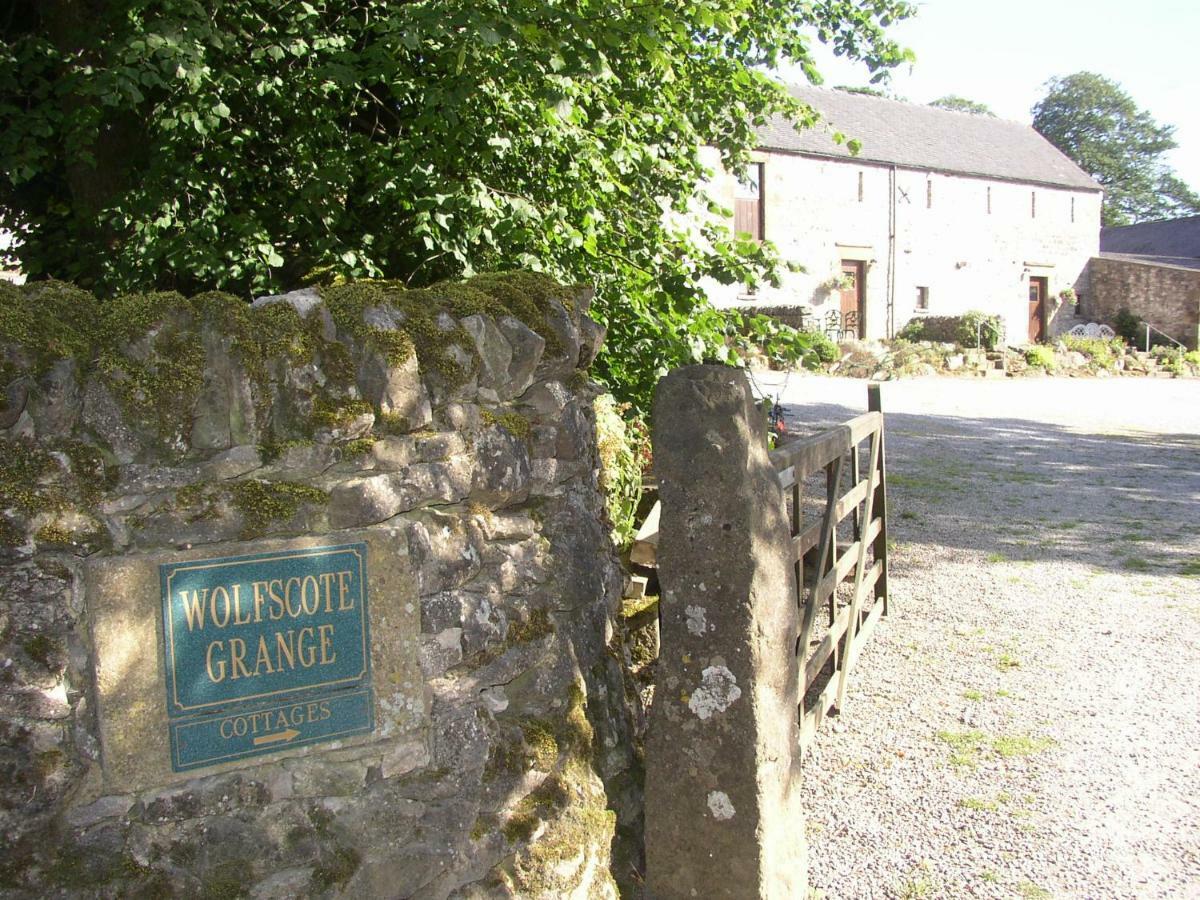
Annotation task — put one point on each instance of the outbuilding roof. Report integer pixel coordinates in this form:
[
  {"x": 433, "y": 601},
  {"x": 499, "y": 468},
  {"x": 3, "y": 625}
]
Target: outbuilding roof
[
  {"x": 924, "y": 137},
  {"x": 1169, "y": 238}
]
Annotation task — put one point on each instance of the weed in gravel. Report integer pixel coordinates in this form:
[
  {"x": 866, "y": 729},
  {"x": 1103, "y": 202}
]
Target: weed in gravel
[
  {"x": 1068, "y": 524},
  {"x": 965, "y": 745},
  {"x": 972, "y": 695},
  {"x": 1003, "y": 693},
  {"x": 979, "y": 804},
  {"x": 1135, "y": 564},
  {"x": 997, "y": 558},
  {"x": 916, "y": 889},
  {"x": 989, "y": 876},
  {"x": 1009, "y": 746},
  {"x": 1190, "y": 568},
  {"x": 1007, "y": 661},
  {"x": 1030, "y": 891}
]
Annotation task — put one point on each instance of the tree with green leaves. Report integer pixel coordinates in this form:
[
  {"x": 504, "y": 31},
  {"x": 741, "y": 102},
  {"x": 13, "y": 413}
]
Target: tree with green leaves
[
  {"x": 255, "y": 145},
  {"x": 1094, "y": 122},
  {"x": 955, "y": 103}
]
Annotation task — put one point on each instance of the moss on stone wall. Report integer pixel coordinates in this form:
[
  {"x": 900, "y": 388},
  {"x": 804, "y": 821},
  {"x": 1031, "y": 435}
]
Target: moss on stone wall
[
  {"x": 512, "y": 422},
  {"x": 534, "y": 628},
  {"x": 263, "y": 502},
  {"x": 49, "y": 320}
]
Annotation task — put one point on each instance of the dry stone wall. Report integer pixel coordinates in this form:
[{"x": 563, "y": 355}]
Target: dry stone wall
[
  {"x": 450, "y": 433},
  {"x": 1168, "y": 297}
]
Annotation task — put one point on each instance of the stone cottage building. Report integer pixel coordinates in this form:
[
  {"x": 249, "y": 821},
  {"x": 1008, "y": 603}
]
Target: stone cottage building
[{"x": 939, "y": 213}]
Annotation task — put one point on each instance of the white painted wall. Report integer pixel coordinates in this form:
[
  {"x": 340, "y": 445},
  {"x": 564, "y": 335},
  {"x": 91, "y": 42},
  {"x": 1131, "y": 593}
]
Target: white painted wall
[{"x": 967, "y": 257}]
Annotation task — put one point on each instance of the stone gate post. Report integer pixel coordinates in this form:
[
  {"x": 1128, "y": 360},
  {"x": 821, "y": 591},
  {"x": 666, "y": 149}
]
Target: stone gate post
[{"x": 723, "y": 816}]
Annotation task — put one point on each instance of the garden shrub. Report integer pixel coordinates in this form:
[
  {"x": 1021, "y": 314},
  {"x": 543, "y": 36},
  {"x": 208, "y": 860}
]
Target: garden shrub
[
  {"x": 1040, "y": 357},
  {"x": 1128, "y": 327},
  {"x": 821, "y": 347},
  {"x": 980, "y": 329},
  {"x": 971, "y": 329},
  {"x": 1170, "y": 358},
  {"x": 1104, "y": 353}
]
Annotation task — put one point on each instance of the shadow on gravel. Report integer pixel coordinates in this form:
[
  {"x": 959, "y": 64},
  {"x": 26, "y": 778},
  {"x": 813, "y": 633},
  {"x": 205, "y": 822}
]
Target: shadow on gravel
[{"x": 1018, "y": 490}]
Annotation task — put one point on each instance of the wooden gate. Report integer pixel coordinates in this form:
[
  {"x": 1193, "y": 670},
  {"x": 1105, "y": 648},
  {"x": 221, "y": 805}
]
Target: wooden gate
[{"x": 840, "y": 553}]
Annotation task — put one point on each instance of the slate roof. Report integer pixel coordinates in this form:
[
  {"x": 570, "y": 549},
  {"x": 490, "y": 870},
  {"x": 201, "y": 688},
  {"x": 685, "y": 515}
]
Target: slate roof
[
  {"x": 1169, "y": 238},
  {"x": 1174, "y": 262},
  {"x": 923, "y": 137}
]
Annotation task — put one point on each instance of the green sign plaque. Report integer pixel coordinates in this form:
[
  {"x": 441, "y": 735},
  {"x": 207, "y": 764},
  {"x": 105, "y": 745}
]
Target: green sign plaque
[{"x": 265, "y": 652}]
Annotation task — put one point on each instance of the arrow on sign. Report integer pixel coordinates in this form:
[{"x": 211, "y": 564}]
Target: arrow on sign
[{"x": 280, "y": 737}]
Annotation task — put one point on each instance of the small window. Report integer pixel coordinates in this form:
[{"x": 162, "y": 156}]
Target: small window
[
  {"x": 989, "y": 200},
  {"x": 747, "y": 203},
  {"x": 922, "y": 298},
  {"x": 929, "y": 194},
  {"x": 1033, "y": 204},
  {"x": 1072, "y": 209},
  {"x": 860, "y": 187}
]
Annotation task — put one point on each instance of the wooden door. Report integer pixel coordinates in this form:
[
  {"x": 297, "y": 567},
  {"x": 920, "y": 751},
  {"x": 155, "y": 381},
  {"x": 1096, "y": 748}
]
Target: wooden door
[
  {"x": 853, "y": 298},
  {"x": 1037, "y": 307}
]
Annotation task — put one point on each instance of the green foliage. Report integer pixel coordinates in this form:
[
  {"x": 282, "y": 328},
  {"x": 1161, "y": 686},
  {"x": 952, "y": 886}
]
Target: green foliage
[
  {"x": 624, "y": 446},
  {"x": 781, "y": 344},
  {"x": 961, "y": 104},
  {"x": 1092, "y": 120},
  {"x": 1040, "y": 356},
  {"x": 252, "y": 147}
]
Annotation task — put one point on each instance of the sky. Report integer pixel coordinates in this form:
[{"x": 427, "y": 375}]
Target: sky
[{"x": 1002, "y": 52}]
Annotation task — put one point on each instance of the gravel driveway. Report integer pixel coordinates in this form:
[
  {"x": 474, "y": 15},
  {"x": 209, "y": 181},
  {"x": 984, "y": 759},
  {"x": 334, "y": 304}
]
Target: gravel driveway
[{"x": 1026, "y": 723}]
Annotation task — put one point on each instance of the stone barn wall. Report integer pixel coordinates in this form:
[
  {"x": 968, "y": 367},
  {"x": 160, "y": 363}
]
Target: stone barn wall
[
  {"x": 451, "y": 433},
  {"x": 1168, "y": 297}
]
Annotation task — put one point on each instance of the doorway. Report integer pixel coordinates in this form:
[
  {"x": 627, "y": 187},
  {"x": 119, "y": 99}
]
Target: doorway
[
  {"x": 854, "y": 298},
  {"x": 1037, "y": 307}
]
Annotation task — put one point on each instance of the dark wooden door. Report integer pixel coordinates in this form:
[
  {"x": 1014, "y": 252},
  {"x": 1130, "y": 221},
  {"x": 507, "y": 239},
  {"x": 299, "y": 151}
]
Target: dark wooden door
[
  {"x": 854, "y": 295},
  {"x": 1037, "y": 308}
]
